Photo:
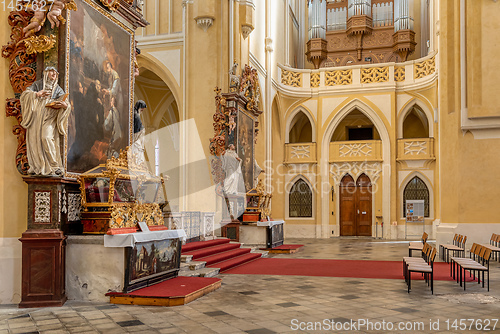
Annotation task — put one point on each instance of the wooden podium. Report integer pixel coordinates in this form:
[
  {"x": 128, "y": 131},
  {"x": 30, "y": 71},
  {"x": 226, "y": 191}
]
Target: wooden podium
[{"x": 43, "y": 267}]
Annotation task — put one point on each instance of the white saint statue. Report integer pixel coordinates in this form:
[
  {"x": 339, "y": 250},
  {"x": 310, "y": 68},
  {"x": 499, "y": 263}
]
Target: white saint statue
[
  {"x": 231, "y": 164},
  {"x": 45, "y": 111}
]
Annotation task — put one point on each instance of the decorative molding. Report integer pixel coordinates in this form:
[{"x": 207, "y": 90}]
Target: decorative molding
[
  {"x": 300, "y": 152},
  {"x": 415, "y": 148},
  {"x": 425, "y": 68},
  {"x": 246, "y": 29},
  {"x": 269, "y": 44},
  {"x": 290, "y": 78},
  {"x": 39, "y": 44},
  {"x": 339, "y": 77},
  {"x": 374, "y": 74},
  {"x": 315, "y": 80},
  {"x": 42, "y": 207},
  {"x": 399, "y": 74},
  {"x": 355, "y": 150},
  {"x": 112, "y": 5},
  {"x": 372, "y": 169},
  {"x": 74, "y": 206},
  {"x": 22, "y": 74},
  {"x": 204, "y": 22}
]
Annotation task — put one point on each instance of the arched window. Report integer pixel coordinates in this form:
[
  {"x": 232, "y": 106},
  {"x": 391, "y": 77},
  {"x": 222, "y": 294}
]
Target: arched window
[
  {"x": 300, "y": 129},
  {"x": 416, "y": 189},
  {"x": 300, "y": 200}
]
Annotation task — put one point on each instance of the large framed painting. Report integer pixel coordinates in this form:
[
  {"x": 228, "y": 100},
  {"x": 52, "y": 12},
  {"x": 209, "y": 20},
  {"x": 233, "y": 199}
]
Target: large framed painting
[
  {"x": 151, "y": 262},
  {"x": 245, "y": 132},
  {"x": 99, "y": 79}
]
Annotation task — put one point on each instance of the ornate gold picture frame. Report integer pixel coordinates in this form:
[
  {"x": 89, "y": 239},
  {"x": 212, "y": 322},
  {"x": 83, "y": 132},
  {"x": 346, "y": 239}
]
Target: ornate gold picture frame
[{"x": 99, "y": 78}]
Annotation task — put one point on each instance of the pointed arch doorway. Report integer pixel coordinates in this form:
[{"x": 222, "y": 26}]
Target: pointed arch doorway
[{"x": 355, "y": 206}]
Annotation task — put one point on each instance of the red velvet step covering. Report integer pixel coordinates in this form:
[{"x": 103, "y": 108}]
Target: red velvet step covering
[
  {"x": 211, "y": 250},
  {"x": 224, "y": 255},
  {"x": 231, "y": 263},
  {"x": 203, "y": 244}
]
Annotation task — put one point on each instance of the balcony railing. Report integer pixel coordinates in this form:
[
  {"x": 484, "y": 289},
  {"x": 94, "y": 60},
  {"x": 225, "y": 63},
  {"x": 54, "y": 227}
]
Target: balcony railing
[
  {"x": 383, "y": 75},
  {"x": 356, "y": 150},
  {"x": 300, "y": 153},
  {"x": 416, "y": 149}
]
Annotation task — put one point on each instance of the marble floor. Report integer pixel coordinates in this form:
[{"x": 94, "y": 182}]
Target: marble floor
[{"x": 260, "y": 304}]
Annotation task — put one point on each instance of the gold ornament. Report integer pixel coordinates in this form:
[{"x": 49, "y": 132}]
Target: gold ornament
[{"x": 37, "y": 44}]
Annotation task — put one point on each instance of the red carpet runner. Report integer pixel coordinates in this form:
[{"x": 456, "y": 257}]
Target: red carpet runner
[{"x": 335, "y": 268}]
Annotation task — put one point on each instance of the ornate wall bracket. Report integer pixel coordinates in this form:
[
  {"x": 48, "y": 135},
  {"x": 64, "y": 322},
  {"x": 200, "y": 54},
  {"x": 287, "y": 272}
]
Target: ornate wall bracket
[
  {"x": 204, "y": 22},
  {"x": 246, "y": 30}
]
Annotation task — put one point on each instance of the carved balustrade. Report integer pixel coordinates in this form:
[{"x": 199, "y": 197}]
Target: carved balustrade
[
  {"x": 300, "y": 153},
  {"x": 416, "y": 149},
  {"x": 356, "y": 150}
]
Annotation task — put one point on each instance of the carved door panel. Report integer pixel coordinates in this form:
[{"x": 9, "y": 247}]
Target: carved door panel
[
  {"x": 364, "y": 206},
  {"x": 347, "y": 206}
]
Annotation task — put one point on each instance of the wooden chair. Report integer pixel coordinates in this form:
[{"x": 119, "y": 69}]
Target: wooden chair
[
  {"x": 427, "y": 269},
  {"x": 418, "y": 246},
  {"x": 458, "y": 246},
  {"x": 478, "y": 262}
]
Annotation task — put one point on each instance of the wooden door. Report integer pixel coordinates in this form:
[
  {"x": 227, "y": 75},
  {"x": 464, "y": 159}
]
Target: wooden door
[
  {"x": 364, "y": 206},
  {"x": 355, "y": 206},
  {"x": 347, "y": 206}
]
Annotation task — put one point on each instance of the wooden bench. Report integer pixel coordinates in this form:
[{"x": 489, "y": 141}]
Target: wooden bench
[
  {"x": 417, "y": 245},
  {"x": 477, "y": 262},
  {"x": 423, "y": 265},
  {"x": 458, "y": 246}
]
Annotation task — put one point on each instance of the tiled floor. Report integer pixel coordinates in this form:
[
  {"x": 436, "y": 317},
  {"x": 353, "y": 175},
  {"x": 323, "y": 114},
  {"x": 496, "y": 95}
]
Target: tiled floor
[{"x": 289, "y": 304}]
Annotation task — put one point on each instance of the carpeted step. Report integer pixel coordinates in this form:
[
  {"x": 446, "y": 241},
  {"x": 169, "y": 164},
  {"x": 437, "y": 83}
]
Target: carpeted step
[
  {"x": 203, "y": 244},
  {"x": 224, "y": 255},
  {"x": 228, "y": 264},
  {"x": 212, "y": 250}
]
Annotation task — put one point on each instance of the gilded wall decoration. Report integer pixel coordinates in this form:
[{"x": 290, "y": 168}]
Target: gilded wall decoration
[
  {"x": 425, "y": 68},
  {"x": 218, "y": 141},
  {"x": 300, "y": 152},
  {"x": 340, "y": 77},
  {"x": 399, "y": 73},
  {"x": 415, "y": 148},
  {"x": 374, "y": 74},
  {"x": 42, "y": 207},
  {"x": 38, "y": 44},
  {"x": 355, "y": 150},
  {"x": 315, "y": 80},
  {"x": 22, "y": 74},
  {"x": 111, "y": 4},
  {"x": 293, "y": 79},
  {"x": 372, "y": 169}
]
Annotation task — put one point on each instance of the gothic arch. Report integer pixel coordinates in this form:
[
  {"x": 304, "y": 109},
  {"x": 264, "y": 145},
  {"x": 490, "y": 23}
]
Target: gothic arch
[
  {"x": 407, "y": 109},
  {"x": 289, "y": 187},
  {"x": 427, "y": 183},
  {"x": 292, "y": 118}
]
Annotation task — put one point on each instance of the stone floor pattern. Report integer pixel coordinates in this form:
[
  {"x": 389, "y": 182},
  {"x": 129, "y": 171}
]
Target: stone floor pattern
[{"x": 260, "y": 304}]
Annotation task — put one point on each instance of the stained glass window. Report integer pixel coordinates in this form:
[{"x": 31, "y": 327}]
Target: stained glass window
[
  {"x": 416, "y": 189},
  {"x": 300, "y": 200}
]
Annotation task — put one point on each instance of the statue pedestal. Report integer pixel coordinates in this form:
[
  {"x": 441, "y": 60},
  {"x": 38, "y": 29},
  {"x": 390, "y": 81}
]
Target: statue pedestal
[
  {"x": 53, "y": 209},
  {"x": 43, "y": 268},
  {"x": 54, "y": 203}
]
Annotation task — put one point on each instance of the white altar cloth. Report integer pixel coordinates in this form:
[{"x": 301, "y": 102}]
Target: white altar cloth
[
  {"x": 270, "y": 223},
  {"x": 130, "y": 239}
]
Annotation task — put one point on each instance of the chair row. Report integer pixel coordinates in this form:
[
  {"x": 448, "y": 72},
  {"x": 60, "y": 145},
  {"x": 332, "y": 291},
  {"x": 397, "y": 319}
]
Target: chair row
[
  {"x": 458, "y": 246},
  {"x": 423, "y": 265},
  {"x": 494, "y": 245},
  {"x": 478, "y": 263},
  {"x": 418, "y": 245}
]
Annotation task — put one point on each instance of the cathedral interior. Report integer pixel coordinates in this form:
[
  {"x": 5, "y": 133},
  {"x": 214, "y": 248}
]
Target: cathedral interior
[{"x": 292, "y": 151}]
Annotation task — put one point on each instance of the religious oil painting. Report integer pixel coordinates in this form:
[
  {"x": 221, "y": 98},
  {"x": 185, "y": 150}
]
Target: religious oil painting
[
  {"x": 99, "y": 78},
  {"x": 245, "y": 148},
  {"x": 153, "y": 257}
]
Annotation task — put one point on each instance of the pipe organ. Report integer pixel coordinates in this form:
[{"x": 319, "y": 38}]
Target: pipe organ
[{"x": 343, "y": 32}]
